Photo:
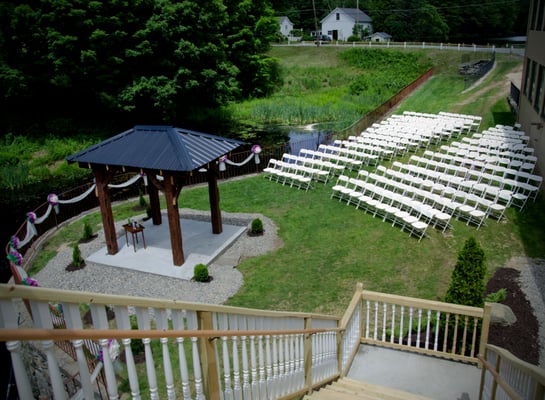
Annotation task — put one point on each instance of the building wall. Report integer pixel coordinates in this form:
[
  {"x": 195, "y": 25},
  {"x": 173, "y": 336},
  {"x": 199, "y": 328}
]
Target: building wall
[{"x": 532, "y": 95}]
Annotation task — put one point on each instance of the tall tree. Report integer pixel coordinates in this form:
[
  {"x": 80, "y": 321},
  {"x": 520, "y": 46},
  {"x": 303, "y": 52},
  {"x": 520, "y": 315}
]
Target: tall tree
[{"x": 251, "y": 29}]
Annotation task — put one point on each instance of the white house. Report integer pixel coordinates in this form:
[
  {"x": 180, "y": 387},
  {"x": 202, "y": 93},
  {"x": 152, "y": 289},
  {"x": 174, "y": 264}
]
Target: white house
[
  {"x": 339, "y": 23},
  {"x": 286, "y": 26},
  {"x": 381, "y": 37}
]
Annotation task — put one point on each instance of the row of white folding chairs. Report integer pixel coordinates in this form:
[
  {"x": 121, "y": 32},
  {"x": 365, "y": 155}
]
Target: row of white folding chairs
[
  {"x": 502, "y": 145},
  {"x": 425, "y": 134},
  {"x": 288, "y": 174},
  {"x": 390, "y": 148},
  {"x": 447, "y": 126},
  {"x": 459, "y": 204},
  {"x": 492, "y": 134},
  {"x": 505, "y": 157},
  {"x": 320, "y": 170},
  {"x": 374, "y": 145},
  {"x": 313, "y": 156},
  {"x": 453, "y": 200},
  {"x": 503, "y": 165},
  {"x": 437, "y": 129},
  {"x": 338, "y": 155},
  {"x": 473, "y": 122},
  {"x": 493, "y": 200},
  {"x": 482, "y": 182},
  {"x": 401, "y": 131},
  {"x": 387, "y": 205},
  {"x": 372, "y": 154},
  {"x": 368, "y": 155},
  {"x": 518, "y": 180}
]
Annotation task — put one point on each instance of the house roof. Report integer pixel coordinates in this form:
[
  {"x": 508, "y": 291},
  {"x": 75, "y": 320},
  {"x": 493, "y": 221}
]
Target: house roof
[
  {"x": 284, "y": 19},
  {"x": 355, "y": 13},
  {"x": 157, "y": 148},
  {"x": 382, "y": 34}
]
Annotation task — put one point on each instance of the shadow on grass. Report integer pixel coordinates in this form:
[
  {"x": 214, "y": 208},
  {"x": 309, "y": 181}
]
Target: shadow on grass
[{"x": 530, "y": 222}]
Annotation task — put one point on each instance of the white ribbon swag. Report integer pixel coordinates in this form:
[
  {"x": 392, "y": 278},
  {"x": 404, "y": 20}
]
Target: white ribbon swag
[{"x": 54, "y": 202}]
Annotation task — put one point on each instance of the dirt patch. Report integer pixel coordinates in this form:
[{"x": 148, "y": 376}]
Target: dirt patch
[{"x": 521, "y": 338}]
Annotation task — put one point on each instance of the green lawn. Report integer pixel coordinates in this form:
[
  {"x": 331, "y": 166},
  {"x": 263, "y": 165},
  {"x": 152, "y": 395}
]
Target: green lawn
[{"x": 329, "y": 247}]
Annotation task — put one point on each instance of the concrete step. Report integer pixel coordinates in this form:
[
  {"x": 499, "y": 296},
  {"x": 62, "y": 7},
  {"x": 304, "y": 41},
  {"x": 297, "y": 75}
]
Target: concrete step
[{"x": 350, "y": 389}]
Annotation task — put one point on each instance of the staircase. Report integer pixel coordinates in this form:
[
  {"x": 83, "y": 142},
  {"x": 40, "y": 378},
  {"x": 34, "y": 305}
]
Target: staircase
[{"x": 350, "y": 389}]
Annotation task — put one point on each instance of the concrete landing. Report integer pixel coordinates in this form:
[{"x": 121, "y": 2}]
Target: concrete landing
[
  {"x": 200, "y": 245},
  {"x": 428, "y": 376}
]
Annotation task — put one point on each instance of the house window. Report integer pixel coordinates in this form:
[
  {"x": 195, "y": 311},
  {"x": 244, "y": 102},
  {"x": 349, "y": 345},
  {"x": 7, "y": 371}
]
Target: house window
[
  {"x": 539, "y": 88},
  {"x": 533, "y": 24},
  {"x": 531, "y": 88},
  {"x": 526, "y": 77},
  {"x": 540, "y": 12},
  {"x": 338, "y": 16}
]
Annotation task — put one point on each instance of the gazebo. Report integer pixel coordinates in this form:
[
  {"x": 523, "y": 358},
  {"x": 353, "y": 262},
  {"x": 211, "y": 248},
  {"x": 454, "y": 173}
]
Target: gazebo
[{"x": 167, "y": 156}]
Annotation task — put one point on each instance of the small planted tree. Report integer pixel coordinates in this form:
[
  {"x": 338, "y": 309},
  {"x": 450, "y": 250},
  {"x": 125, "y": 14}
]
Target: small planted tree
[
  {"x": 87, "y": 231},
  {"x": 256, "y": 227},
  {"x": 200, "y": 273},
  {"x": 467, "y": 282},
  {"x": 77, "y": 260},
  {"x": 467, "y": 287}
]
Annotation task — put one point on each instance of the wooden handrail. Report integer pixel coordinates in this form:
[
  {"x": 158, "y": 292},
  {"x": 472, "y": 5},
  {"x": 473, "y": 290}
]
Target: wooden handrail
[
  {"x": 422, "y": 303},
  {"x": 67, "y": 296},
  {"x": 24, "y": 334},
  {"x": 498, "y": 379}
]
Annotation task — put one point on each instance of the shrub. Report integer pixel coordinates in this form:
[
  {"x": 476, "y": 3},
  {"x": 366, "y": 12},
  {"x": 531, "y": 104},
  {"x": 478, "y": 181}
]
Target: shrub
[
  {"x": 200, "y": 273},
  {"x": 77, "y": 259},
  {"x": 142, "y": 201},
  {"x": 87, "y": 230},
  {"x": 467, "y": 282},
  {"x": 257, "y": 226},
  {"x": 497, "y": 297},
  {"x": 353, "y": 38}
]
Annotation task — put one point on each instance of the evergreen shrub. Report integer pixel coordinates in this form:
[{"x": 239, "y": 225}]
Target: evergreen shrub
[
  {"x": 200, "y": 273},
  {"x": 257, "y": 227}
]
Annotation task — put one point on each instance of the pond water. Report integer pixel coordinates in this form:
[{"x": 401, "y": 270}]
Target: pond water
[{"x": 294, "y": 138}]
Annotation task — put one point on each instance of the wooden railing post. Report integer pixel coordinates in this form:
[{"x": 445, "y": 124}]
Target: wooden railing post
[
  {"x": 484, "y": 331},
  {"x": 307, "y": 354},
  {"x": 210, "y": 372}
]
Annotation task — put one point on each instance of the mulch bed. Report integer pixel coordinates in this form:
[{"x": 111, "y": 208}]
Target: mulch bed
[{"x": 521, "y": 338}]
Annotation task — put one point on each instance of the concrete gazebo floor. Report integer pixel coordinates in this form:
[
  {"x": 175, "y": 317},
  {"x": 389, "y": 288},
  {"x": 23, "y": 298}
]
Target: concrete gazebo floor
[{"x": 199, "y": 243}]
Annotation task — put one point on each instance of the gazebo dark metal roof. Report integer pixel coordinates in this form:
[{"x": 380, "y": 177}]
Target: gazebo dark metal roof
[
  {"x": 167, "y": 156},
  {"x": 157, "y": 148}
]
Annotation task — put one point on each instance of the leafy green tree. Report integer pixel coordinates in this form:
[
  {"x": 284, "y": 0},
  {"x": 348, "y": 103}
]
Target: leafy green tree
[
  {"x": 467, "y": 283},
  {"x": 251, "y": 29}
]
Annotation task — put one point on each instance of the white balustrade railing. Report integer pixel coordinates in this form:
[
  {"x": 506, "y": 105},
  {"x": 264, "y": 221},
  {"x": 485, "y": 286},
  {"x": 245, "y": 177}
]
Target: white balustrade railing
[
  {"x": 200, "y": 351},
  {"x": 190, "y": 350},
  {"x": 424, "y": 326}
]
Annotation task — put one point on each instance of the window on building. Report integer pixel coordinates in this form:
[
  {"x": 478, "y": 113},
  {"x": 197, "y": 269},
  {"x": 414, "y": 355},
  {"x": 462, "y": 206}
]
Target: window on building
[
  {"x": 531, "y": 89},
  {"x": 338, "y": 16},
  {"x": 533, "y": 15},
  {"x": 540, "y": 12},
  {"x": 525, "y": 86},
  {"x": 539, "y": 87}
]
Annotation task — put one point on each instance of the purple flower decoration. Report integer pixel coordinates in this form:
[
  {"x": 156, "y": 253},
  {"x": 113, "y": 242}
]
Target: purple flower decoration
[
  {"x": 31, "y": 216},
  {"x": 15, "y": 257},
  {"x": 14, "y": 242},
  {"x": 29, "y": 282},
  {"x": 53, "y": 199},
  {"x": 256, "y": 149}
]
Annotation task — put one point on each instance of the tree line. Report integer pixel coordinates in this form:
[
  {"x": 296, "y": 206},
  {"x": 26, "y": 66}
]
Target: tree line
[
  {"x": 104, "y": 63},
  {"x": 454, "y": 21}
]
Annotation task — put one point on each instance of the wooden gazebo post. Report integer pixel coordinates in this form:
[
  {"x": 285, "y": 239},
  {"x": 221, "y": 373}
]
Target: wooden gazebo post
[
  {"x": 214, "y": 198},
  {"x": 102, "y": 179},
  {"x": 172, "y": 187}
]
